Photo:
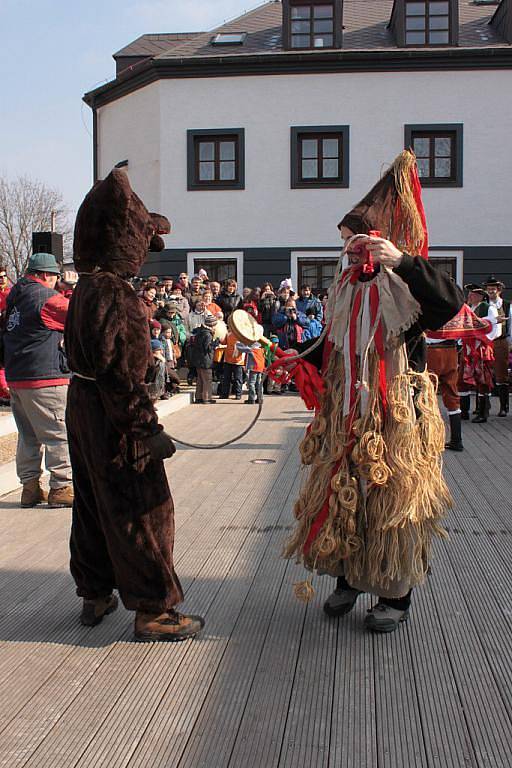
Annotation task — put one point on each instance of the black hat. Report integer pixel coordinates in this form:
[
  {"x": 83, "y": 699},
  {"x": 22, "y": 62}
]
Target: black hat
[
  {"x": 475, "y": 288},
  {"x": 491, "y": 280}
]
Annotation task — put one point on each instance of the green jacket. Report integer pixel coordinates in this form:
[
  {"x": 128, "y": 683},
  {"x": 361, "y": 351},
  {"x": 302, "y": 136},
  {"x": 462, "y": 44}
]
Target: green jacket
[
  {"x": 179, "y": 328},
  {"x": 482, "y": 310}
]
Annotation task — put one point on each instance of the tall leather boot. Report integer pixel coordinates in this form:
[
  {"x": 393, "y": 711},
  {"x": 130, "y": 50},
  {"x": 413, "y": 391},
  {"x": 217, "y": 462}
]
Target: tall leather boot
[
  {"x": 504, "y": 398},
  {"x": 465, "y": 403},
  {"x": 455, "y": 443},
  {"x": 482, "y": 410}
]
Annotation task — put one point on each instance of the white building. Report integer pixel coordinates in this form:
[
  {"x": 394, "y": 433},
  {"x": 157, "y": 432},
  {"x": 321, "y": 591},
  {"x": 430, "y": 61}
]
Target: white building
[{"x": 255, "y": 138}]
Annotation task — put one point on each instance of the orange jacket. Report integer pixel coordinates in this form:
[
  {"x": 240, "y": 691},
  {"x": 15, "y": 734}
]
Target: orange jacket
[
  {"x": 231, "y": 355},
  {"x": 259, "y": 360},
  {"x": 213, "y": 308}
]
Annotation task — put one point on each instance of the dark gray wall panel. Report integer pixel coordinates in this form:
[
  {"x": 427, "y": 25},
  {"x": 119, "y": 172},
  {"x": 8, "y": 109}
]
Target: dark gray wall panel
[
  {"x": 480, "y": 262},
  {"x": 169, "y": 262}
]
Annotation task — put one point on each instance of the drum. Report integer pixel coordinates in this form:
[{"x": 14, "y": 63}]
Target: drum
[{"x": 245, "y": 327}]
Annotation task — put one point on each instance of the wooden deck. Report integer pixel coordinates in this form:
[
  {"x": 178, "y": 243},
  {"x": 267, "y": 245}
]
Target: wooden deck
[{"x": 270, "y": 682}]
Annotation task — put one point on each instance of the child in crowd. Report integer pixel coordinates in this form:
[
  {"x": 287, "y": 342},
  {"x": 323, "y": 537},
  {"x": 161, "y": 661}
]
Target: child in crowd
[
  {"x": 211, "y": 306},
  {"x": 155, "y": 329},
  {"x": 314, "y": 328},
  {"x": 255, "y": 368},
  {"x": 234, "y": 362},
  {"x": 172, "y": 380},
  {"x": 201, "y": 350},
  {"x": 156, "y": 388},
  {"x": 221, "y": 332},
  {"x": 195, "y": 320},
  {"x": 271, "y": 387}
]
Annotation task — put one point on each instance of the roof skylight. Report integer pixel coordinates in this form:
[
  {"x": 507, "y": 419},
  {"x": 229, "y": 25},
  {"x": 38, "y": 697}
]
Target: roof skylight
[{"x": 229, "y": 38}]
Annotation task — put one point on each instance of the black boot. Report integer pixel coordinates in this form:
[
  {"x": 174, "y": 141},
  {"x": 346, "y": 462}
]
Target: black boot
[
  {"x": 465, "y": 402},
  {"x": 483, "y": 410},
  {"x": 504, "y": 397},
  {"x": 455, "y": 443}
]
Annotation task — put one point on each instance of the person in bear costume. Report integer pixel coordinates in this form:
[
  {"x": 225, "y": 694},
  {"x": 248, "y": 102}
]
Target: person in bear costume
[{"x": 122, "y": 531}]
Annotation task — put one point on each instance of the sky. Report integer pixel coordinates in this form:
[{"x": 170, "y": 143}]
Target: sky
[{"x": 51, "y": 53}]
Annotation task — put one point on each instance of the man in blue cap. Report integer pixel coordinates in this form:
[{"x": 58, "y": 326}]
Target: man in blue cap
[{"x": 38, "y": 378}]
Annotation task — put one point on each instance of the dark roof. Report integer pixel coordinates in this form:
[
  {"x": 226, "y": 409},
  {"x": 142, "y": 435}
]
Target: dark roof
[
  {"x": 153, "y": 44},
  {"x": 368, "y": 44},
  {"x": 365, "y": 25}
]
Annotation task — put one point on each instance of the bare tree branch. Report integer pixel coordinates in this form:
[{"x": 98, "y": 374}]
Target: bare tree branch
[{"x": 26, "y": 206}]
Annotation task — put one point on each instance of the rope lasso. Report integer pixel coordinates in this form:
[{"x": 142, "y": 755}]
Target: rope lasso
[
  {"x": 290, "y": 359},
  {"x": 214, "y": 446}
]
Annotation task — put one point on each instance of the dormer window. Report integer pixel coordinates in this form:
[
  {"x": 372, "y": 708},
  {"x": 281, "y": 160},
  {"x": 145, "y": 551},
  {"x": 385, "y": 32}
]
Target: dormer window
[
  {"x": 310, "y": 24},
  {"x": 427, "y": 23}
]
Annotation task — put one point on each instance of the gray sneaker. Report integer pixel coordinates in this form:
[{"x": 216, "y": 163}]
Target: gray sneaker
[
  {"x": 341, "y": 601},
  {"x": 384, "y": 618}
]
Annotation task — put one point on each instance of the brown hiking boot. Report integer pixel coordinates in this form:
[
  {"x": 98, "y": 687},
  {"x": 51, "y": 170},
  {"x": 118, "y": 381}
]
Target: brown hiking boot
[
  {"x": 61, "y": 497},
  {"x": 93, "y": 611},
  {"x": 32, "y": 494},
  {"x": 170, "y": 627}
]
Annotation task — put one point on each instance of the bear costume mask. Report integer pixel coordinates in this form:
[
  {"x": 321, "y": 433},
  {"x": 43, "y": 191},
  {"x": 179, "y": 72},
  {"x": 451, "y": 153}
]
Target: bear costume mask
[{"x": 114, "y": 230}]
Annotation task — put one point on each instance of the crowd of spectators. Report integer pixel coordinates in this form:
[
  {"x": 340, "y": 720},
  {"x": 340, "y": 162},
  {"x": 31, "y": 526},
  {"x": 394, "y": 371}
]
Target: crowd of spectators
[{"x": 188, "y": 322}]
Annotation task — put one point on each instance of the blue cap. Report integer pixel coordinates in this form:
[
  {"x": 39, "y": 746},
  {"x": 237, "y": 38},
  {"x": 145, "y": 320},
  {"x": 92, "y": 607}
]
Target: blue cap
[
  {"x": 156, "y": 344},
  {"x": 43, "y": 262}
]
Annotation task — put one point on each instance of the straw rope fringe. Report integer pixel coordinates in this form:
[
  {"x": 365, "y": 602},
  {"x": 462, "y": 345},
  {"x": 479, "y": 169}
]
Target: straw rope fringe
[
  {"x": 388, "y": 496},
  {"x": 406, "y": 228}
]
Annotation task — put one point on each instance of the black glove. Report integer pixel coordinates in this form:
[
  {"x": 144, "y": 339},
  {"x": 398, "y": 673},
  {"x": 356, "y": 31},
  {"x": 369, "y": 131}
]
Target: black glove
[{"x": 160, "y": 446}]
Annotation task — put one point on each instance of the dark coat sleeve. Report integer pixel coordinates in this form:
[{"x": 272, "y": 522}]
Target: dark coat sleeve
[{"x": 438, "y": 294}]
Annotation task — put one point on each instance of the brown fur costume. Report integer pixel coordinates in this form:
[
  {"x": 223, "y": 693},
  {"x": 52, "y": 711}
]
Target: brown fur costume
[{"x": 123, "y": 517}]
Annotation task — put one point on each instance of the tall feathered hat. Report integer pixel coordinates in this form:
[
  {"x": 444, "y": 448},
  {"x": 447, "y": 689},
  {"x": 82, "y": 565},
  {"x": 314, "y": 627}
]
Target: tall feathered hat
[{"x": 394, "y": 207}]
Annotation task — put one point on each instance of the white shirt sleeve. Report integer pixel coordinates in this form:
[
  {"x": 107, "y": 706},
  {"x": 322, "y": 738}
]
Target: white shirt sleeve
[{"x": 492, "y": 315}]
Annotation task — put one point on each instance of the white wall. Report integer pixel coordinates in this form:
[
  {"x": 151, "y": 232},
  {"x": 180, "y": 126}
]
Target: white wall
[
  {"x": 129, "y": 129},
  {"x": 268, "y": 213}
]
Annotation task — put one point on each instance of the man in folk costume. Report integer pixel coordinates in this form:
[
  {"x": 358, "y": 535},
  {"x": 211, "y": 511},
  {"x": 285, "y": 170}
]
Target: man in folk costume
[
  {"x": 472, "y": 333},
  {"x": 374, "y": 495},
  {"x": 501, "y": 343},
  {"x": 477, "y": 357},
  {"x": 442, "y": 359}
]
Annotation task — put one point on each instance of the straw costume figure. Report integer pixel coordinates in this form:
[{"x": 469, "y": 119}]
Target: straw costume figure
[
  {"x": 374, "y": 494},
  {"x": 122, "y": 533}
]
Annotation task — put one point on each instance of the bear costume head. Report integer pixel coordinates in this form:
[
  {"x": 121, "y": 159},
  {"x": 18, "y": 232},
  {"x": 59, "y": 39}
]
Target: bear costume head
[{"x": 114, "y": 230}]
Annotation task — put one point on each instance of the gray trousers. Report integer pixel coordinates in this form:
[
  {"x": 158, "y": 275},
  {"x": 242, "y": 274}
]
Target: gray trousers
[
  {"x": 204, "y": 384},
  {"x": 39, "y": 416}
]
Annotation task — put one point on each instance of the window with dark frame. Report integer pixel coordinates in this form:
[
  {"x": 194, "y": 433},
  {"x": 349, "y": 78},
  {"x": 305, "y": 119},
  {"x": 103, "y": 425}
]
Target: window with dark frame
[
  {"x": 435, "y": 155},
  {"x": 216, "y": 159},
  {"x": 445, "y": 264},
  {"x": 438, "y": 148},
  {"x": 320, "y": 156},
  {"x": 427, "y": 22},
  {"x": 217, "y": 270},
  {"x": 318, "y": 273},
  {"x": 311, "y": 24}
]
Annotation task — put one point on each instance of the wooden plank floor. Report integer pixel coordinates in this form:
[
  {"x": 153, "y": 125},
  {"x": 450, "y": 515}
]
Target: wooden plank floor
[{"x": 270, "y": 682}]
